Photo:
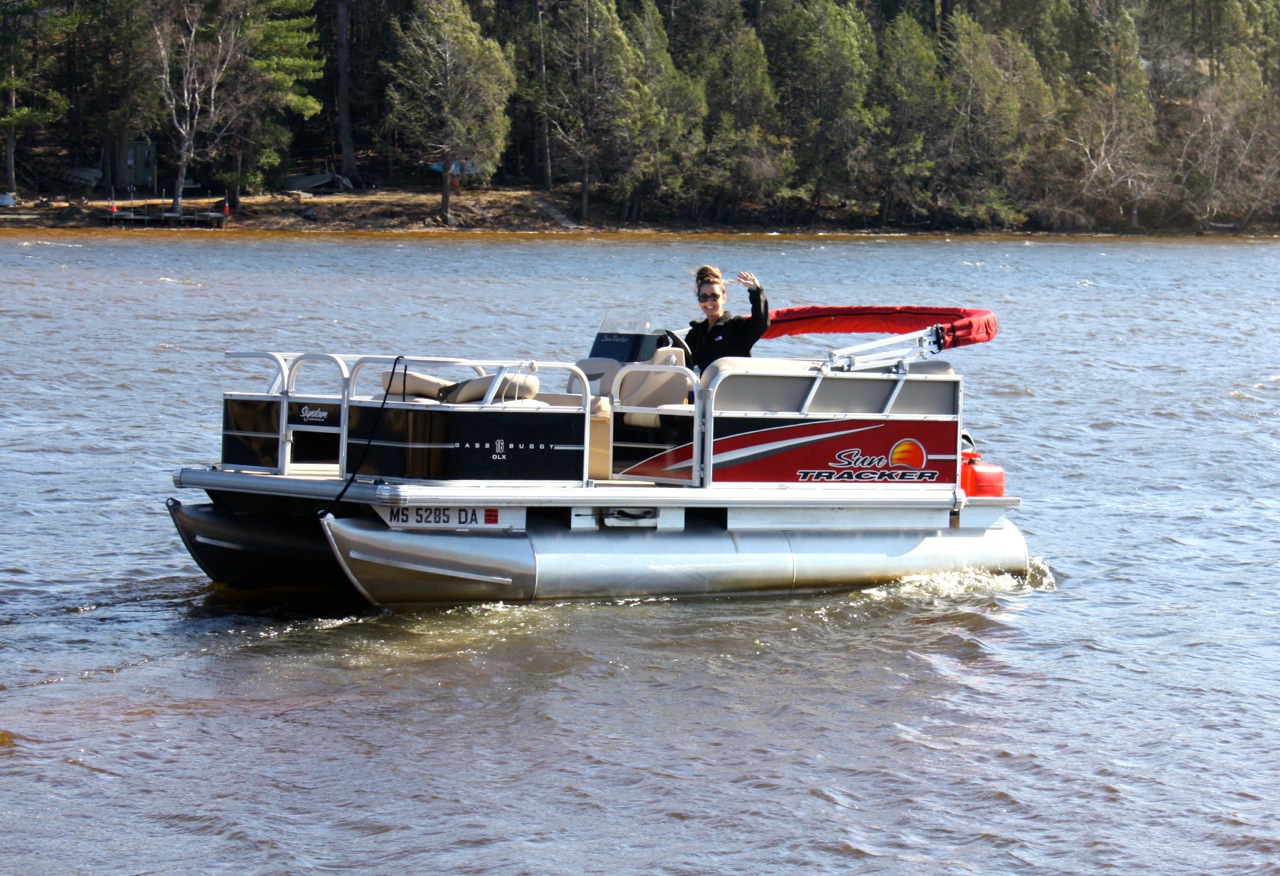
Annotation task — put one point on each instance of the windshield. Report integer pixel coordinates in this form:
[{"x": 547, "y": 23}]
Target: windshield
[
  {"x": 627, "y": 320},
  {"x": 626, "y": 335}
]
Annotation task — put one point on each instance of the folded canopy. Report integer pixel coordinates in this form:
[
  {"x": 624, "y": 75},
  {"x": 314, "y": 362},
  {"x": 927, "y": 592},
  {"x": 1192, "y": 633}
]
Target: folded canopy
[{"x": 960, "y": 325}]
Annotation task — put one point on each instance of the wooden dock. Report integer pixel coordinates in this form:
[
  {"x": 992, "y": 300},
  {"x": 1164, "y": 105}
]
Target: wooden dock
[{"x": 167, "y": 218}]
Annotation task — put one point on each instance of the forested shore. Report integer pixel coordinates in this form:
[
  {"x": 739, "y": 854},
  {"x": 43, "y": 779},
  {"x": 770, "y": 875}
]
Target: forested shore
[{"x": 1050, "y": 115}]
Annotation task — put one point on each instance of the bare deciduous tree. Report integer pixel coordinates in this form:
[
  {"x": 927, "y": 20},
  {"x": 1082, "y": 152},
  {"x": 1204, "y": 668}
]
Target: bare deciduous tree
[
  {"x": 1107, "y": 167},
  {"x": 199, "y": 44},
  {"x": 1227, "y": 158}
]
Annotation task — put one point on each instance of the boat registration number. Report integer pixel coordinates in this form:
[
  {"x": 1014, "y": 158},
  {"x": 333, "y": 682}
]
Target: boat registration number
[{"x": 453, "y": 517}]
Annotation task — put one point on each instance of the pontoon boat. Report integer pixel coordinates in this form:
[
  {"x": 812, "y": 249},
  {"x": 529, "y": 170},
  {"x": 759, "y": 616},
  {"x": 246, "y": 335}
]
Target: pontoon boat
[{"x": 428, "y": 481}]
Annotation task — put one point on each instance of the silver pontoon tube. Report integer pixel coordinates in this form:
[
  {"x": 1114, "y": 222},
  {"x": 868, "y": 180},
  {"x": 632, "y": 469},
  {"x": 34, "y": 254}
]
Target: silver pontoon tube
[{"x": 397, "y": 568}]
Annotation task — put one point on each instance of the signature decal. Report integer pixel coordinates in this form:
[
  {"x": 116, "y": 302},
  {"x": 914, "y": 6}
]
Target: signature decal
[{"x": 313, "y": 415}]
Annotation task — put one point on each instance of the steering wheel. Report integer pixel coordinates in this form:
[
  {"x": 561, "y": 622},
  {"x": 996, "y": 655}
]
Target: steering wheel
[{"x": 678, "y": 342}]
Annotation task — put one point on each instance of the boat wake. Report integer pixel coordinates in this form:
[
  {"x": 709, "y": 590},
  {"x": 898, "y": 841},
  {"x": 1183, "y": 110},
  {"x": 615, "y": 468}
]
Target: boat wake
[{"x": 964, "y": 584}]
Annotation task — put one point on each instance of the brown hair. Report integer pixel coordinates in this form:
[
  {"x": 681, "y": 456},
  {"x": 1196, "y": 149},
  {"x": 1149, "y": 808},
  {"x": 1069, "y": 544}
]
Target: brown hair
[{"x": 707, "y": 274}]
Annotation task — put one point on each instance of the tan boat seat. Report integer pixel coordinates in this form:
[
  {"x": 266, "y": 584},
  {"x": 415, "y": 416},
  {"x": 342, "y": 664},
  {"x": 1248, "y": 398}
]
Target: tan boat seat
[
  {"x": 600, "y": 373},
  {"x": 512, "y": 387},
  {"x": 413, "y": 383},
  {"x": 649, "y": 389},
  {"x": 418, "y": 386},
  {"x": 653, "y": 419}
]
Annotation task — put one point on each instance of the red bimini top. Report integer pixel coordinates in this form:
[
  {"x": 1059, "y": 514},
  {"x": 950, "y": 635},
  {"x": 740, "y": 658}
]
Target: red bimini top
[{"x": 961, "y": 326}]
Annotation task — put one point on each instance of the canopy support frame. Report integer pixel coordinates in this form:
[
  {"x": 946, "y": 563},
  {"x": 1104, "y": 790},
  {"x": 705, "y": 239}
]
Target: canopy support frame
[{"x": 892, "y": 352}]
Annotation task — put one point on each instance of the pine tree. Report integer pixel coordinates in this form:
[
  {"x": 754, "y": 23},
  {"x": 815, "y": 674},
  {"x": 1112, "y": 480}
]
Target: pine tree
[
  {"x": 824, "y": 55},
  {"x": 593, "y": 87},
  {"x": 27, "y": 28},
  {"x": 449, "y": 90},
  {"x": 916, "y": 103},
  {"x": 281, "y": 57},
  {"x": 665, "y": 135},
  {"x": 747, "y": 158},
  {"x": 999, "y": 107}
]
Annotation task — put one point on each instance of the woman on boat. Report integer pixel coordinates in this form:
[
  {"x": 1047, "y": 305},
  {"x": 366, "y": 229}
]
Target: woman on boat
[{"x": 721, "y": 333}]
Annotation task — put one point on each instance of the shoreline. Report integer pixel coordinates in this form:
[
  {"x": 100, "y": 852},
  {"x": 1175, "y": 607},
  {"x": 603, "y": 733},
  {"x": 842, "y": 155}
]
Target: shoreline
[{"x": 484, "y": 211}]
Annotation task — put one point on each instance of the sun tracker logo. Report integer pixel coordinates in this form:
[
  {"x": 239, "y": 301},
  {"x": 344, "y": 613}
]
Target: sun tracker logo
[
  {"x": 908, "y": 453},
  {"x": 905, "y": 463}
]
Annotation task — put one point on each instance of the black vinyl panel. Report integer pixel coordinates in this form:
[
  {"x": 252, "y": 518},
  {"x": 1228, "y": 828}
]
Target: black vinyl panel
[{"x": 449, "y": 444}]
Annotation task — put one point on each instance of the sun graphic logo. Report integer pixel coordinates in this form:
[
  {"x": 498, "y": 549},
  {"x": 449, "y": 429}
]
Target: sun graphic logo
[{"x": 908, "y": 453}]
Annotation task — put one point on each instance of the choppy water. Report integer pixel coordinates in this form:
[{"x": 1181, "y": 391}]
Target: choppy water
[{"x": 1120, "y": 713}]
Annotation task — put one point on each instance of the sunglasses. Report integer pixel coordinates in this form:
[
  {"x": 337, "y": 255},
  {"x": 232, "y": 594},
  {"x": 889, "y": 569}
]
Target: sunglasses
[{"x": 708, "y": 296}]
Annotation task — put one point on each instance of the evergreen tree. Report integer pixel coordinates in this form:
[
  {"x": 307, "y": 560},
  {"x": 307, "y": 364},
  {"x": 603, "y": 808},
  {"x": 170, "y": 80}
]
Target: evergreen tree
[
  {"x": 449, "y": 90},
  {"x": 1000, "y": 102},
  {"x": 746, "y": 158},
  {"x": 593, "y": 87},
  {"x": 281, "y": 56},
  {"x": 825, "y": 56},
  {"x": 665, "y": 139},
  {"x": 1263, "y": 29},
  {"x": 27, "y": 29},
  {"x": 916, "y": 103},
  {"x": 1225, "y": 31},
  {"x": 696, "y": 30}
]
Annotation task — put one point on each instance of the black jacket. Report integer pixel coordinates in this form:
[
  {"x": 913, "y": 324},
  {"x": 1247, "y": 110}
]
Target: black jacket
[{"x": 731, "y": 335}]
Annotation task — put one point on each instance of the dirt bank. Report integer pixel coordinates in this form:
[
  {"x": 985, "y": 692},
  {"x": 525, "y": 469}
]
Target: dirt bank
[
  {"x": 474, "y": 210},
  {"x": 492, "y": 209}
]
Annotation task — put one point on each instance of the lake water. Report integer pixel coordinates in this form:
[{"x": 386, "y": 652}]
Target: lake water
[{"x": 1118, "y": 713}]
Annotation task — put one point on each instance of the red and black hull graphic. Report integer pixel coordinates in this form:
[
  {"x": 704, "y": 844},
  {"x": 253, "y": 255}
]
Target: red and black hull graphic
[{"x": 849, "y": 452}]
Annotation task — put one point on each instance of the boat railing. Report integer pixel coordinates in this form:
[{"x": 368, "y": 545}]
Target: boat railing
[
  {"x": 280, "y": 360},
  {"x": 339, "y": 362},
  {"x": 280, "y": 430},
  {"x": 285, "y": 430},
  {"x": 493, "y": 390},
  {"x": 620, "y": 435},
  {"x": 797, "y": 390},
  {"x": 499, "y": 386},
  {"x": 287, "y": 365},
  {"x": 658, "y": 397}
]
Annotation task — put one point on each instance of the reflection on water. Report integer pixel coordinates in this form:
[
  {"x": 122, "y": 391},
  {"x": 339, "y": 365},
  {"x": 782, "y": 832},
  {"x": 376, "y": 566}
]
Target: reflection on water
[{"x": 1114, "y": 713}]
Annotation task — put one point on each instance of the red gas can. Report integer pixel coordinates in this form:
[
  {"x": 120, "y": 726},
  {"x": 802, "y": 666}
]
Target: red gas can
[{"x": 978, "y": 478}]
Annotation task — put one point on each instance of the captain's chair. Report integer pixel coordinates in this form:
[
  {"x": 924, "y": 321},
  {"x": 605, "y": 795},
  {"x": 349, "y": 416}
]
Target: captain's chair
[{"x": 648, "y": 389}]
